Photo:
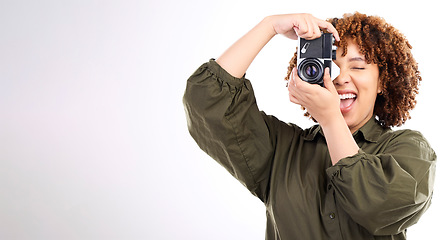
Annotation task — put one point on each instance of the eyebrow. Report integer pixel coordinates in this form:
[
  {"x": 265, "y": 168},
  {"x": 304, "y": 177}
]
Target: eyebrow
[{"x": 356, "y": 59}]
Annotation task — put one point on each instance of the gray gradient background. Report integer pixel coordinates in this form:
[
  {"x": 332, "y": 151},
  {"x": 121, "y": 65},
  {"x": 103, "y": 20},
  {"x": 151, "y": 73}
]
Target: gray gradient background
[{"x": 93, "y": 138}]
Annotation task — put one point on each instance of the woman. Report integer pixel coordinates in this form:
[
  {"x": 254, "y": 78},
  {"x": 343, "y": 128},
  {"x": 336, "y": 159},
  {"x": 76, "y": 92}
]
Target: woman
[{"x": 350, "y": 176}]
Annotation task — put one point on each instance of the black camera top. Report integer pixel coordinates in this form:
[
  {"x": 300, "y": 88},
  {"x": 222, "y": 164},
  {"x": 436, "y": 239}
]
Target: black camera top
[{"x": 321, "y": 47}]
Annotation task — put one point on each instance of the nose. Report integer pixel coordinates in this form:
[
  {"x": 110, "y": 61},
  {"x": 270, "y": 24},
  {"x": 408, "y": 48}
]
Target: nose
[{"x": 342, "y": 79}]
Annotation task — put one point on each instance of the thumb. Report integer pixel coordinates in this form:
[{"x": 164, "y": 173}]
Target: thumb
[{"x": 328, "y": 81}]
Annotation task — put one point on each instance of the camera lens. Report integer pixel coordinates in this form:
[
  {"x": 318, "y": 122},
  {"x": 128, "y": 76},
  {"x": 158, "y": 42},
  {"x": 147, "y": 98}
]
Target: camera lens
[{"x": 311, "y": 70}]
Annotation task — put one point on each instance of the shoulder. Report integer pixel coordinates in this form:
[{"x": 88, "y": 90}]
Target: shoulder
[
  {"x": 407, "y": 135},
  {"x": 410, "y": 142}
]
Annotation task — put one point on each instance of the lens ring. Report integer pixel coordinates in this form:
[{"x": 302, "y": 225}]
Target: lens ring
[{"x": 311, "y": 70}]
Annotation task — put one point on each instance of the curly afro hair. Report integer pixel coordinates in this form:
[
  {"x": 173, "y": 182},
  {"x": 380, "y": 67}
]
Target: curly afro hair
[{"x": 385, "y": 46}]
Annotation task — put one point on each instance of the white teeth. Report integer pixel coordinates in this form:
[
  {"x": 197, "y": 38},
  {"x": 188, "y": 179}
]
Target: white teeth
[{"x": 346, "y": 96}]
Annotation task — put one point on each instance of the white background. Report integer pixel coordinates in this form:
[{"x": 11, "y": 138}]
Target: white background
[{"x": 93, "y": 137}]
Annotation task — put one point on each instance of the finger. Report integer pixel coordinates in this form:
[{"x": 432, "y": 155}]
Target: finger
[
  {"x": 306, "y": 34},
  {"x": 293, "y": 85},
  {"x": 292, "y": 88},
  {"x": 330, "y": 28},
  {"x": 308, "y": 30},
  {"x": 292, "y": 91},
  {"x": 293, "y": 99},
  {"x": 294, "y": 76},
  {"x": 301, "y": 28},
  {"x": 296, "y": 95},
  {"x": 290, "y": 78},
  {"x": 299, "y": 83},
  {"x": 328, "y": 81},
  {"x": 316, "y": 29}
]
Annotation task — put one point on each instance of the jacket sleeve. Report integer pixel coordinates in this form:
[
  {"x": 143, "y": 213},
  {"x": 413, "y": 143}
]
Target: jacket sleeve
[
  {"x": 389, "y": 191},
  {"x": 224, "y": 120}
]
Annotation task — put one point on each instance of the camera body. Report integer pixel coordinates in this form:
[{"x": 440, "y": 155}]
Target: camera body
[{"x": 313, "y": 56}]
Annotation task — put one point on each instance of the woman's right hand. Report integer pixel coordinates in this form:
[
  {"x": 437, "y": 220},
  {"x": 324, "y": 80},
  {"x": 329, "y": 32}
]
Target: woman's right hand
[{"x": 301, "y": 25}]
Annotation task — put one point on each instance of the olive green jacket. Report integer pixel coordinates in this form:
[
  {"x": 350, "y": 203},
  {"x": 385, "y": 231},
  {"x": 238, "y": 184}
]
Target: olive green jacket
[{"x": 376, "y": 194}]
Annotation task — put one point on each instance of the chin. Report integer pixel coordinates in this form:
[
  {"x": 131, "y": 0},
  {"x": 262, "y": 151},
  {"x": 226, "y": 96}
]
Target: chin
[{"x": 350, "y": 121}]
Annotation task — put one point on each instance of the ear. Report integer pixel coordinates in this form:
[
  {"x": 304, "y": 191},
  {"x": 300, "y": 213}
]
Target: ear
[{"x": 379, "y": 88}]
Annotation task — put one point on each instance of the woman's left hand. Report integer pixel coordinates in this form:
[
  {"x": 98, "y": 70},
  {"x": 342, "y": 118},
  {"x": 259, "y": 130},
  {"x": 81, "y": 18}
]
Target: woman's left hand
[{"x": 322, "y": 103}]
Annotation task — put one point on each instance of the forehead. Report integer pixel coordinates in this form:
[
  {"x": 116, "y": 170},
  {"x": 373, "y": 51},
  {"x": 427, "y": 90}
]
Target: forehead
[{"x": 352, "y": 53}]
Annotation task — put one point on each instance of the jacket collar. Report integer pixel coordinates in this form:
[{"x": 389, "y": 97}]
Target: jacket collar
[{"x": 371, "y": 131}]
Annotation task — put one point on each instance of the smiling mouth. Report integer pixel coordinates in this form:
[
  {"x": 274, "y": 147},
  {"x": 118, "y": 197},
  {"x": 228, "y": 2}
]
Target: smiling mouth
[{"x": 347, "y": 101}]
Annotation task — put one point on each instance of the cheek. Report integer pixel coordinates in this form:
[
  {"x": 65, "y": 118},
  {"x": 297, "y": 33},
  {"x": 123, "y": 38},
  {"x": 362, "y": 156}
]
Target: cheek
[{"x": 368, "y": 88}]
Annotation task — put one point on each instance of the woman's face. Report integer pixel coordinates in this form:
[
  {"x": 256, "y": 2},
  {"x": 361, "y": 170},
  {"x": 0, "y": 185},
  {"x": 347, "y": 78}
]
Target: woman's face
[{"x": 357, "y": 85}]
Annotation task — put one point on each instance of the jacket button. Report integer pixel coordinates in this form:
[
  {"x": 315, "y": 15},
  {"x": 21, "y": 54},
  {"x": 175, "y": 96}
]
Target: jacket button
[{"x": 332, "y": 215}]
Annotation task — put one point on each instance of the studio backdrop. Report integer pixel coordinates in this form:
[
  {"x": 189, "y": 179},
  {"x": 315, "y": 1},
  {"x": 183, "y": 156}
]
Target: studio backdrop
[{"x": 93, "y": 135}]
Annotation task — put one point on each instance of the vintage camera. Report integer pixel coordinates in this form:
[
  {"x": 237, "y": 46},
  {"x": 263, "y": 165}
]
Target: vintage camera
[{"x": 313, "y": 56}]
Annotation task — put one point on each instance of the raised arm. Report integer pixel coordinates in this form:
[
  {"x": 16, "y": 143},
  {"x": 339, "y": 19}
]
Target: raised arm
[{"x": 236, "y": 59}]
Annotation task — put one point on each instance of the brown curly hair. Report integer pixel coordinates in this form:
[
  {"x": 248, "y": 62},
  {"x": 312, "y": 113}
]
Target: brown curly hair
[{"x": 385, "y": 46}]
